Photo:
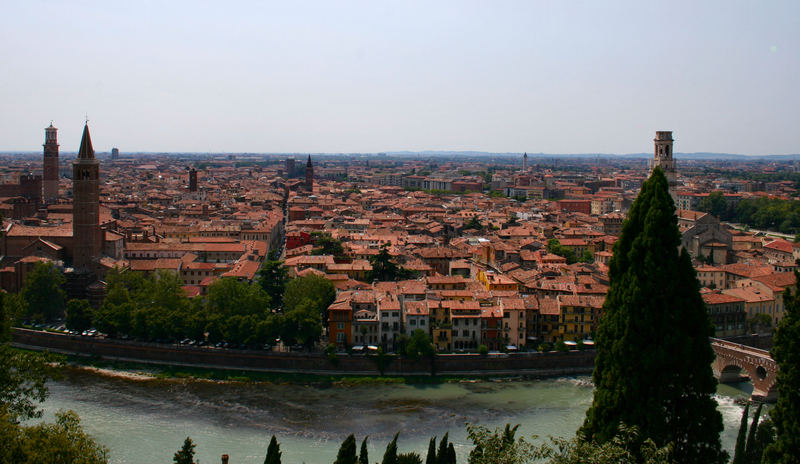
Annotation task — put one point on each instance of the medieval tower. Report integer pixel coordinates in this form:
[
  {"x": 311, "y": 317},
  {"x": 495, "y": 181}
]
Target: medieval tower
[
  {"x": 86, "y": 234},
  {"x": 525, "y": 162},
  {"x": 663, "y": 159},
  {"x": 309, "y": 175},
  {"x": 50, "y": 165}
]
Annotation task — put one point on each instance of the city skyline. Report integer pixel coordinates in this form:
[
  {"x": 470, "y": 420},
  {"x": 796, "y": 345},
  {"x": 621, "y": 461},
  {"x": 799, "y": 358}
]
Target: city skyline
[{"x": 362, "y": 77}]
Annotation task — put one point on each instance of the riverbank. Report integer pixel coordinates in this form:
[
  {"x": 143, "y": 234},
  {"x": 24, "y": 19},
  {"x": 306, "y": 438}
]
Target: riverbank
[{"x": 187, "y": 359}]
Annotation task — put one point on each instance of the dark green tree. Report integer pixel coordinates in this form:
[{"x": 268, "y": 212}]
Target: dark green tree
[
  {"x": 273, "y": 277},
  {"x": 786, "y": 413},
  {"x": 324, "y": 244},
  {"x": 409, "y": 458},
  {"x": 473, "y": 223},
  {"x": 79, "y": 315},
  {"x": 740, "y": 448},
  {"x": 227, "y": 296},
  {"x": 716, "y": 204},
  {"x": 273, "y": 452},
  {"x": 384, "y": 268},
  {"x": 653, "y": 364},
  {"x": 185, "y": 455},
  {"x": 555, "y": 247},
  {"x": 313, "y": 287},
  {"x": 363, "y": 456},
  {"x": 390, "y": 455},
  {"x": 43, "y": 293},
  {"x": 759, "y": 437},
  {"x": 431, "y": 457},
  {"x": 443, "y": 455},
  {"x": 419, "y": 345},
  {"x": 302, "y": 324},
  {"x": 347, "y": 452},
  {"x": 61, "y": 442}
]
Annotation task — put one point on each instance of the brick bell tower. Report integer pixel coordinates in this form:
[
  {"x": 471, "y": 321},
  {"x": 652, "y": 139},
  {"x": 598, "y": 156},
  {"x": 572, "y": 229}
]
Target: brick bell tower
[
  {"x": 50, "y": 165},
  {"x": 86, "y": 234},
  {"x": 309, "y": 175},
  {"x": 662, "y": 157}
]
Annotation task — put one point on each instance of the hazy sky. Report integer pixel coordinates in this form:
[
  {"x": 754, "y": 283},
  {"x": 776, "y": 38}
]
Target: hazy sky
[{"x": 334, "y": 76}]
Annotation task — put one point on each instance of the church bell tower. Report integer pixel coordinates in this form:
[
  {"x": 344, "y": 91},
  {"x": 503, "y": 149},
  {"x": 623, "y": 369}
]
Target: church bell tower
[{"x": 86, "y": 234}]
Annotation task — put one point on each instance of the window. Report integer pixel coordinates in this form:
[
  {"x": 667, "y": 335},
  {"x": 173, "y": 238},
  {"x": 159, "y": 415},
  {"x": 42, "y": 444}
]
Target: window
[{"x": 340, "y": 325}]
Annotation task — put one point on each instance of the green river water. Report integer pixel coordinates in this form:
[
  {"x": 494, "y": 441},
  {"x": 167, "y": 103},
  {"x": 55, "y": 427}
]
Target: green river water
[{"x": 146, "y": 421}]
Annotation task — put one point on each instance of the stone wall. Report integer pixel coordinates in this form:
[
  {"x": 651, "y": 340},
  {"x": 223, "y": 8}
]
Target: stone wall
[{"x": 528, "y": 364}]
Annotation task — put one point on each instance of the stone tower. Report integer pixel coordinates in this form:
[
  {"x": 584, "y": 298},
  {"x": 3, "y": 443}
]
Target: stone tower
[
  {"x": 309, "y": 175},
  {"x": 50, "y": 165},
  {"x": 525, "y": 162},
  {"x": 663, "y": 159},
  {"x": 86, "y": 234},
  {"x": 193, "y": 180}
]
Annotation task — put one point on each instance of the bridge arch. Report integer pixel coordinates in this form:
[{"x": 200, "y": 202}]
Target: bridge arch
[{"x": 734, "y": 360}]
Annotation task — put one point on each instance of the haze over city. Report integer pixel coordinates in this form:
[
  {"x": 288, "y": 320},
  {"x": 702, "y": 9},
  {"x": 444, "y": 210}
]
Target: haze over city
[{"x": 552, "y": 77}]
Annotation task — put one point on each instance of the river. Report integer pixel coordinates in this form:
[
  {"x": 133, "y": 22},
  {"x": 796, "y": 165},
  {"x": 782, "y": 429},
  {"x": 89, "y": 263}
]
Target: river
[{"x": 146, "y": 421}]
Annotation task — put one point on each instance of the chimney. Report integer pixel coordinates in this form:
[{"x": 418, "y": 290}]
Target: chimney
[{"x": 224, "y": 459}]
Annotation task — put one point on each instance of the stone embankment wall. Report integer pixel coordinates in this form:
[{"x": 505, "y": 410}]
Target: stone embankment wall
[{"x": 528, "y": 364}]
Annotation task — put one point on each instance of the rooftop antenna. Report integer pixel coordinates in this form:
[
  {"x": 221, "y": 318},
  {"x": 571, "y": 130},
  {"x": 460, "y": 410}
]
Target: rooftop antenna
[{"x": 86, "y": 116}]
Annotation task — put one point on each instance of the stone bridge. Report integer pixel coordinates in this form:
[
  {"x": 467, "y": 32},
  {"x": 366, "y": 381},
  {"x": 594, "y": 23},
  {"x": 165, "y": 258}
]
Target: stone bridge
[{"x": 734, "y": 361}]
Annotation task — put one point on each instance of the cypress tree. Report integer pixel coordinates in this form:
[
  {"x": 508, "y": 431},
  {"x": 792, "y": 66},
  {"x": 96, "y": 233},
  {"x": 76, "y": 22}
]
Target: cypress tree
[
  {"x": 753, "y": 449},
  {"x": 273, "y": 452},
  {"x": 390, "y": 456},
  {"x": 450, "y": 457},
  {"x": 441, "y": 455},
  {"x": 786, "y": 413},
  {"x": 185, "y": 455},
  {"x": 653, "y": 365},
  {"x": 740, "y": 450},
  {"x": 347, "y": 452},
  {"x": 431, "y": 458},
  {"x": 363, "y": 456}
]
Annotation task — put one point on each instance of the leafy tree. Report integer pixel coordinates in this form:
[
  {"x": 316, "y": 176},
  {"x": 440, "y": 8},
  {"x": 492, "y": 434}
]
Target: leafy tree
[
  {"x": 79, "y": 315},
  {"x": 385, "y": 269},
  {"x": 716, "y": 204},
  {"x": 363, "y": 456},
  {"x": 653, "y": 364},
  {"x": 760, "y": 323},
  {"x": 786, "y": 413},
  {"x": 554, "y": 246},
  {"x": 302, "y": 324},
  {"x": 61, "y": 442},
  {"x": 273, "y": 452},
  {"x": 43, "y": 293},
  {"x": 227, "y": 296},
  {"x": 347, "y": 452},
  {"x": 419, "y": 346},
  {"x": 326, "y": 245},
  {"x": 587, "y": 257},
  {"x": 409, "y": 458},
  {"x": 473, "y": 223},
  {"x": 273, "y": 277},
  {"x": 494, "y": 447},
  {"x": 185, "y": 455},
  {"x": 390, "y": 455},
  {"x": 313, "y": 287},
  {"x": 627, "y": 447}
]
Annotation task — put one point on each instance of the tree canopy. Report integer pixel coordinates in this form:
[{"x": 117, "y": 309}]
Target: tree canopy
[
  {"x": 653, "y": 364},
  {"x": 786, "y": 413},
  {"x": 42, "y": 293}
]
